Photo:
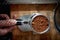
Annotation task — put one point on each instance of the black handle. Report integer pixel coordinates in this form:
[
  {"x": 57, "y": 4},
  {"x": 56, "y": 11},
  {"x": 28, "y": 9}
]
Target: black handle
[{"x": 19, "y": 22}]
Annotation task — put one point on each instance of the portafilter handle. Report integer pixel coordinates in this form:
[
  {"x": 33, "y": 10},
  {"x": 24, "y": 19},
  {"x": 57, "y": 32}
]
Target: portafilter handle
[{"x": 20, "y": 21}]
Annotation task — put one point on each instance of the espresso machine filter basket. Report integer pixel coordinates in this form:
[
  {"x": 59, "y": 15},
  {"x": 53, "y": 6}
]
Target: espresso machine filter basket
[{"x": 25, "y": 23}]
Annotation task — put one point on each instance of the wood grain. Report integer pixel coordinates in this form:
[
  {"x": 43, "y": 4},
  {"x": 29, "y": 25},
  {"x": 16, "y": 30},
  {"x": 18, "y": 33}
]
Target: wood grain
[{"x": 24, "y": 9}]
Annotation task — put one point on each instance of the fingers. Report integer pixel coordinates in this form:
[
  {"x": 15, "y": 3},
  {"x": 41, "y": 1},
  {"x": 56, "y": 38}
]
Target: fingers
[
  {"x": 6, "y": 23},
  {"x": 14, "y": 16},
  {"x": 4, "y": 16},
  {"x": 9, "y": 23},
  {"x": 6, "y": 30}
]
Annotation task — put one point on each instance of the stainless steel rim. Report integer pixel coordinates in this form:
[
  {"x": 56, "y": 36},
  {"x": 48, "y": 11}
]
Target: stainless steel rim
[{"x": 33, "y": 28}]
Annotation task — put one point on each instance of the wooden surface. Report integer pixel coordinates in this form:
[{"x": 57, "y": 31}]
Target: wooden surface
[{"x": 24, "y": 9}]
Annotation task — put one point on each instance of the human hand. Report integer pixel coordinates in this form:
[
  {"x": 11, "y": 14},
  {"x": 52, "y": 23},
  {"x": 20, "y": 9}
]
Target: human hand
[{"x": 6, "y": 25}]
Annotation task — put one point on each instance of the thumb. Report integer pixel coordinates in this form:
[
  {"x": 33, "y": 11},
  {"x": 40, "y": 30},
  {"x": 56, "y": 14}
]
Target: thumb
[{"x": 14, "y": 16}]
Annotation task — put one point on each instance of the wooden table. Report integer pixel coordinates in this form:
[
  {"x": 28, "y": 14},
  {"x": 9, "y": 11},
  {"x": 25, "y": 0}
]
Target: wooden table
[{"x": 24, "y": 9}]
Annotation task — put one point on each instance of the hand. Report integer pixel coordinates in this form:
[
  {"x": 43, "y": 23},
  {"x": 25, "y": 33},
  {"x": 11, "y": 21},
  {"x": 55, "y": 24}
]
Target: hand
[{"x": 4, "y": 23}]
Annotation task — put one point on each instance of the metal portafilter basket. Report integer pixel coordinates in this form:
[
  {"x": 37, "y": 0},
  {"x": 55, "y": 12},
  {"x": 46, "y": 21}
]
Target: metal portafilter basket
[{"x": 25, "y": 23}]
